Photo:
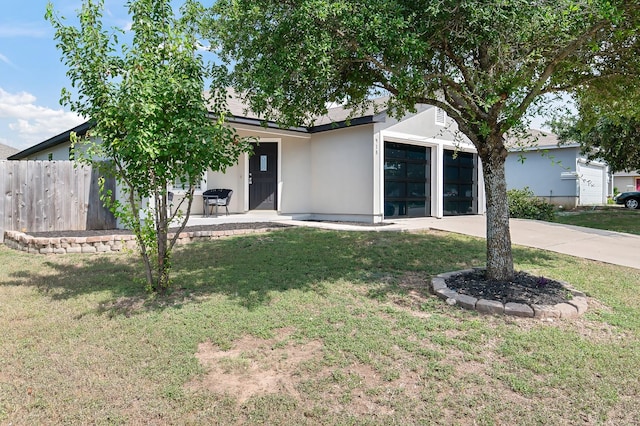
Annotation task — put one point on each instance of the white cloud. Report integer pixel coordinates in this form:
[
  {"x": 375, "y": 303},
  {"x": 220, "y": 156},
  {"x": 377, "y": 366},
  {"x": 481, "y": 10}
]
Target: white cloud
[
  {"x": 6, "y": 60},
  {"x": 24, "y": 123}
]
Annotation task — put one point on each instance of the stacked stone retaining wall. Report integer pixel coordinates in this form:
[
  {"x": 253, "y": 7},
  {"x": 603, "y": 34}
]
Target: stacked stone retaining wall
[{"x": 104, "y": 243}]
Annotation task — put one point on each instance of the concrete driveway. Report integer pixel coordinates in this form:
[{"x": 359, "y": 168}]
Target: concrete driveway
[{"x": 605, "y": 246}]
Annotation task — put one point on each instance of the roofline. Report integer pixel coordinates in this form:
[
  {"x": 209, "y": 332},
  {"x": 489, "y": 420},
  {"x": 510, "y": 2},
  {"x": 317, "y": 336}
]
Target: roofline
[
  {"x": 368, "y": 119},
  {"x": 261, "y": 123},
  {"x": 358, "y": 121},
  {"x": 54, "y": 141},
  {"x": 82, "y": 129}
]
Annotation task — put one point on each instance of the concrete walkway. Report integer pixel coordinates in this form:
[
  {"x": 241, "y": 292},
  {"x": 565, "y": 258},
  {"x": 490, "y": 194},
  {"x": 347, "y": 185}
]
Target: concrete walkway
[{"x": 605, "y": 246}]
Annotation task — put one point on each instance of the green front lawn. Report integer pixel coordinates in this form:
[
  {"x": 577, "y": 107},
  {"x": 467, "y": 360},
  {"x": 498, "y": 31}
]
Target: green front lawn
[
  {"x": 305, "y": 326},
  {"x": 609, "y": 218}
]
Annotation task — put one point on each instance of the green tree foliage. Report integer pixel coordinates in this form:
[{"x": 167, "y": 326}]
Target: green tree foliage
[
  {"x": 607, "y": 125},
  {"x": 151, "y": 119},
  {"x": 616, "y": 141},
  {"x": 486, "y": 63}
]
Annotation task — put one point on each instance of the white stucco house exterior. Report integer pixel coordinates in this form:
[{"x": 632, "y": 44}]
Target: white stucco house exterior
[
  {"x": 558, "y": 173},
  {"x": 365, "y": 168}
]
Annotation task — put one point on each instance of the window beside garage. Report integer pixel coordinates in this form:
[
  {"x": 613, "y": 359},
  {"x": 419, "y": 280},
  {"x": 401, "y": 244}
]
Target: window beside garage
[
  {"x": 460, "y": 183},
  {"x": 407, "y": 189}
]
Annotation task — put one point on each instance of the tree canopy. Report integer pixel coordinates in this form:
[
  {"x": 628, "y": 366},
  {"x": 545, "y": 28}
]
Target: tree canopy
[
  {"x": 616, "y": 141},
  {"x": 145, "y": 96},
  {"x": 487, "y": 64},
  {"x": 607, "y": 123}
]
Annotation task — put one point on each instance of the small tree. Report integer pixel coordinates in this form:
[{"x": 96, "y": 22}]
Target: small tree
[
  {"x": 151, "y": 119},
  {"x": 486, "y": 63}
]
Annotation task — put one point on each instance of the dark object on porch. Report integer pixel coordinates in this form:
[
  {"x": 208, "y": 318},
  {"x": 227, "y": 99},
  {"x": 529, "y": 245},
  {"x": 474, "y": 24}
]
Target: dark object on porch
[
  {"x": 170, "y": 202},
  {"x": 216, "y": 197}
]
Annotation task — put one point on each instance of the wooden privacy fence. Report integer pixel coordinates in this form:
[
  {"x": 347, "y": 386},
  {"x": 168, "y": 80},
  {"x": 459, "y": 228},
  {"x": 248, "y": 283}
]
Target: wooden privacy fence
[{"x": 42, "y": 196}]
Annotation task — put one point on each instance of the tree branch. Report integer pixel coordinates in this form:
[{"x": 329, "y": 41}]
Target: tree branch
[
  {"x": 551, "y": 65},
  {"x": 459, "y": 63}
]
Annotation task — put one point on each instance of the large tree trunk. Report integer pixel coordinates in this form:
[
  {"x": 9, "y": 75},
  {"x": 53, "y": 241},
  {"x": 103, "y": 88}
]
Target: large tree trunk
[{"x": 499, "y": 256}]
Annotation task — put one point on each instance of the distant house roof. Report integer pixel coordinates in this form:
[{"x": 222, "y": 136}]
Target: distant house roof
[
  {"x": 536, "y": 139},
  {"x": 52, "y": 142},
  {"x": 334, "y": 118},
  {"x": 6, "y": 151}
]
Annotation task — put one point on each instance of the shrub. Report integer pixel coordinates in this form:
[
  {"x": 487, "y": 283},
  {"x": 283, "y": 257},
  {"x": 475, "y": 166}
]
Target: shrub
[{"x": 524, "y": 205}]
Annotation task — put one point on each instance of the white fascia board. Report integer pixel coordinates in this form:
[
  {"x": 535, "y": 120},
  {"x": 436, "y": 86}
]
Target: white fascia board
[
  {"x": 405, "y": 137},
  {"x": 598, "y": 163},
  {"x": 265, "y": 132}
]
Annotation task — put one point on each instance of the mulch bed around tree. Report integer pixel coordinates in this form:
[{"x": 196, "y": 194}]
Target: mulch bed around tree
[{"x": 525, "y": 288}]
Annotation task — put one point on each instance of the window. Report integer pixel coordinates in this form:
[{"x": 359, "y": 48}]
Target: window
[
  {"x": 441, "y": 116},
  {"x": 179, "y": 184}
]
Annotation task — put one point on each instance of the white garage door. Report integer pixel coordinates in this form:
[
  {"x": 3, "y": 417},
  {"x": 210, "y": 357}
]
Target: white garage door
[{"x": 591, "y": 179}]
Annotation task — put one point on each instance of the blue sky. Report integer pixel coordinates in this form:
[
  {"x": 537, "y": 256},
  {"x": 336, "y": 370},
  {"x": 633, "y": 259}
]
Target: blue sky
[{"x": 31, "y": 74}]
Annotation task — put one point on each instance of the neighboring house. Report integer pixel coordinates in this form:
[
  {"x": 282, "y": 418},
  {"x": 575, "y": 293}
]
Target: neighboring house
[
  {"x": 625, "y": 181},
  {"x": 376, "y": 167},
  {"x": 558, "y": 173},
  {"x": 6, "y": 151}
]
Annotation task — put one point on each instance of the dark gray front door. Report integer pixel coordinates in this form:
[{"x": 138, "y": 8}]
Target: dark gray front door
[{"x": 263, "y": 176}]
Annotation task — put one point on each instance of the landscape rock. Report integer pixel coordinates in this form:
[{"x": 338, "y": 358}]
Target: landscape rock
[
  {"x": 490, "y": 307},
  {"x": 580, "y": 303},
  {"x": 518, "y": 310},
  {"x": 467, "y": 302}
]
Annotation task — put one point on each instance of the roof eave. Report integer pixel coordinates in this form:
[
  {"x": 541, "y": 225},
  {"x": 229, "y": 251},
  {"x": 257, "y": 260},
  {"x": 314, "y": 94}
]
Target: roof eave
[
  {"x": 82, "y": 129},
  {"x": 370, "y": 119},
  {"x": 262, "y": 123},
  {"x": 358, "y": 121}
]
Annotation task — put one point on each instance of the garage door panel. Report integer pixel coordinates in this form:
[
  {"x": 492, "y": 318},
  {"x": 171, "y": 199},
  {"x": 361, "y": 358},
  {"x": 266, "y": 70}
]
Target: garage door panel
[{"x": 591, "y": 181}]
